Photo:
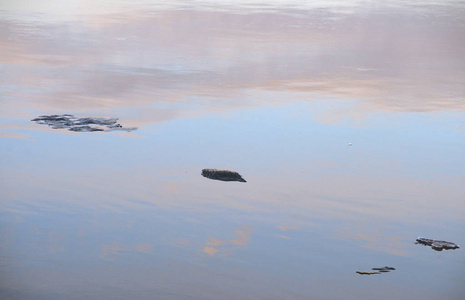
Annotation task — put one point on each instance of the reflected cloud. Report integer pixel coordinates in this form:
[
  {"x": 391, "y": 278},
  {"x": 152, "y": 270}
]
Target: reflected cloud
[
  {"x": 15, "y": 135},
  {"x": 378, "y": 240},
  {"x": 226, "y": 247},
  {"x": 171, "y": 64},
  {"x": 115, "y": 249},
  {"x": 287, "y": 227},
  {"x": 280, "y": 72}
]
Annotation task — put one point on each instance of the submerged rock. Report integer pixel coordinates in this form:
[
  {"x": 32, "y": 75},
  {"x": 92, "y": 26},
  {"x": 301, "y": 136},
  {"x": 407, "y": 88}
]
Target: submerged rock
[
  {"x": 223, "y": 175},
  {"x": 367, "y": 272},
  {"x": 72, "y": 123},
  {"x": 119, "y": 127},
  {"x": 380, "y": 270},
  {"x": 436, "y": 244},
  {"x": 384, "y": 269},
  {"x": 84, "y": 129}
]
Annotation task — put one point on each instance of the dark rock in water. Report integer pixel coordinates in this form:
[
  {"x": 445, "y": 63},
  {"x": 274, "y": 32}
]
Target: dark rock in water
[
  {"x": 222, "y": 175},
  {"x": 436, "y": 244},
  {"x": 96, "y": 121},
  {"x": 376, "y": 271},
  {"x": 119, "y": 127},
  {"x": 72, "y": 123},
  {"x": 367, "y": 273},
  {"x": 85, "y": 129},
  {"x": 384, "y": 269}
]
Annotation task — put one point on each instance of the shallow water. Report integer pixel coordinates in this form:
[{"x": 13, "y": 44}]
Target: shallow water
[{"x": 275, "y": 91}]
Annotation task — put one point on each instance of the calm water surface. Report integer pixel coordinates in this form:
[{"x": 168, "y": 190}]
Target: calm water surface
[{"x": 274, "y": 90}]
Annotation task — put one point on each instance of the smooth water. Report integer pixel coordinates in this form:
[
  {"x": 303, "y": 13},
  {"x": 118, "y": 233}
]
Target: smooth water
[{"x": 346, "y": 118}]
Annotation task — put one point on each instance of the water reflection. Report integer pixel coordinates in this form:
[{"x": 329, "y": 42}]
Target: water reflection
[
  {"x": 114, "y": 249},
  {"x": 155, "y": 60},
  {"x": 275, "y": 91},
  {"x": 228, "y": 246}
]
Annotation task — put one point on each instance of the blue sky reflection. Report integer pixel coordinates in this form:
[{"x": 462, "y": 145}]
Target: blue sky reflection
[{"x": 274, "y": 91}]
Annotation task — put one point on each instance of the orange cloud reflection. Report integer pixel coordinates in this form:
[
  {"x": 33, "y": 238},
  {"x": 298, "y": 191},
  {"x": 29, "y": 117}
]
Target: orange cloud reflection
[{"x": 228, "y": 247}]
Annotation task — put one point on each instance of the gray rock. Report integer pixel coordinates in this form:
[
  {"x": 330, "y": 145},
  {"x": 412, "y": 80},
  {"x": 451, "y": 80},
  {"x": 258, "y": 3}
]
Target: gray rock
[
  {"x": 84, "y": 129},
  {"x": 72, "y": 123},
  {"x": 367, "y": 272},
  {"x": 384, "y": 269},
  {"x": 119, "y": 127},
  {"x": 376, "y": 271},
  {"x": 436, "y": 244},
  {"x": 223, "y": 175}
]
